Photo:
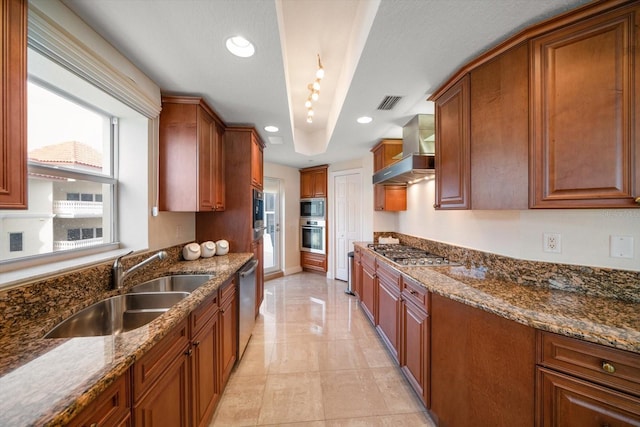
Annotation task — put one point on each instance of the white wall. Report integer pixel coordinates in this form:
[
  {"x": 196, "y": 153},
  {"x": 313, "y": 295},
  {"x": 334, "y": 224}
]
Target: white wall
[
  {"x": 290, "y": 227},
  {"x": 519, "y": 234}
]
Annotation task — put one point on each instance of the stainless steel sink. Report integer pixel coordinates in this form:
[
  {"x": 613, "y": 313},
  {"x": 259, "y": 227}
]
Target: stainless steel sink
[
  {"x": 177, "y": 283},
  {"x": 117, "y": 314}
]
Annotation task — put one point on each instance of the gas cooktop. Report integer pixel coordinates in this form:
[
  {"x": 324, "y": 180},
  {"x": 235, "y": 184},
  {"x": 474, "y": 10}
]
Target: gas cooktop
[{"x": 409, "y": 256}]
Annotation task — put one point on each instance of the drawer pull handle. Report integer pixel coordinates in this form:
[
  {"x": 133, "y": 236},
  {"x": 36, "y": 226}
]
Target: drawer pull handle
[
  {"x": 412, "y": 292},
  {"x": 608, "y": 367}
]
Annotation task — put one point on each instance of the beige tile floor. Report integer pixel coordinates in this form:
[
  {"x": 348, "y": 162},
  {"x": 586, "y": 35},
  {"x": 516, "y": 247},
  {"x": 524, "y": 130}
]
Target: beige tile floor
[{"x": 315, "y": 360}]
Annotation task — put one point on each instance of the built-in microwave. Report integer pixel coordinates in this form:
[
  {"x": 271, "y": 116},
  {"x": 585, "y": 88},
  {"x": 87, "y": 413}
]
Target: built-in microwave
[
  {"x": 258, "y": 213},
  {"x": 312, "y": 208}
]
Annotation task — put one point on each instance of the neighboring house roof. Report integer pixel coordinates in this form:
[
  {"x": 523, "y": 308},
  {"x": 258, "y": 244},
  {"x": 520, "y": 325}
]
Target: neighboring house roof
[{"x": 68, "y": 153}]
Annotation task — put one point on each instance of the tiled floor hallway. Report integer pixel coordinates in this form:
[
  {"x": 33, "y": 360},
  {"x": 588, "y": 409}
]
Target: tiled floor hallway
[{"x": 315, "y": 360}]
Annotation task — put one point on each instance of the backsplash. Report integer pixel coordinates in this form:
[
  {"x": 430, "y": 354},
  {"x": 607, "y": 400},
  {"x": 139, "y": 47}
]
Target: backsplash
[{"x": 594, "y": 281}]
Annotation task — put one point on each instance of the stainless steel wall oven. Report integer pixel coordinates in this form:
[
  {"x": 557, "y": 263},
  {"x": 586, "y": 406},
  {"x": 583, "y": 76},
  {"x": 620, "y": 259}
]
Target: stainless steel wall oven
[{"x": 313, "y": 235}]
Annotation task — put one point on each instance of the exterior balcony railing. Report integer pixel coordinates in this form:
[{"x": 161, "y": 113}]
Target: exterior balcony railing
[
  {"x": 64, "y": 245},
  {"x": 77, "y": 209}
]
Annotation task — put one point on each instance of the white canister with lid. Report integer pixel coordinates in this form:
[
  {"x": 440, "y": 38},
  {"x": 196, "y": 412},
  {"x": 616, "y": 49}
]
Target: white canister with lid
[
  {"x": 191, "y": 251},
  {"x": 222, "y": 247},
  {"x": 207, "y": 249}
]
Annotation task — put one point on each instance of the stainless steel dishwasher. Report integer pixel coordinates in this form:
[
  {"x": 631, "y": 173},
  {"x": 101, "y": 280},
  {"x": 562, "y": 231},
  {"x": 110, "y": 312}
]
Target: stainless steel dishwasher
[{"x": 247, "y": 311}]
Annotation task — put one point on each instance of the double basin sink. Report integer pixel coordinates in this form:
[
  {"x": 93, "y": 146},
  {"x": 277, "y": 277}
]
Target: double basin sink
[{"x": 142, "y": 304}]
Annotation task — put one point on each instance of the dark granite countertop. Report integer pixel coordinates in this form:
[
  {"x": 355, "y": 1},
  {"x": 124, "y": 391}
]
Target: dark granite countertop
[
  {"x": 49, "y": 381},
  {"x": 609, "y": 321}
]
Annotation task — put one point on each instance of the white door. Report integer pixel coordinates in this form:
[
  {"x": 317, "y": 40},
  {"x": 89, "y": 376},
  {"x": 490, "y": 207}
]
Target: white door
[
  {"x": 271, "y": 251},
  {"x": 348, "y": 211}
]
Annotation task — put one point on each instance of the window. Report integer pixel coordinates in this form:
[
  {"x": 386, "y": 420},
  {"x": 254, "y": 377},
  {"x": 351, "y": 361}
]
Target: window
[
  {"x": 73, "y": 196},
  {"x": 15, "y": 242}
]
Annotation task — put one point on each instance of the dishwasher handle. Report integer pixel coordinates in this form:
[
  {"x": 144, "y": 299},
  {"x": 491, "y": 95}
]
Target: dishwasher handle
[{"x": 250, "y": 268}]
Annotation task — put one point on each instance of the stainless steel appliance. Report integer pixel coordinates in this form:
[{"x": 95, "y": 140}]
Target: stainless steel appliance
[
  {"x": 409, "y": 256},
  {"x": 258, "y": 213},
  {"x": 312, "y": 235},
  {"x": 312, "y": 208},
  {"x": 247, "y": 306}
]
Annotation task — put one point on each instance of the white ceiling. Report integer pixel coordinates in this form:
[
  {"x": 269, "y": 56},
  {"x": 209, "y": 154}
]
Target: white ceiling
[{"x": 369, "y": 49}]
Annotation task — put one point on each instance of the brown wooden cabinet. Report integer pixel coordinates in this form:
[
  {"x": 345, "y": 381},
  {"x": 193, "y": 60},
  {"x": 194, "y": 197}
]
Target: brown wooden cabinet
[
  {"x": 257, "y": 247},
  {"x": 111, "y": 408},
  {"x": 206, "y": 387},
  {"x": 161, "y": 382},
  {"x": 500, "y": 131},
  {"x": 453, "y": 140},
  {"x": 357, "y": 272},
  {"x": 585, "y": 99},
  {"x": 415, "y": 340},
  {"x": 586, "y": 384},
  {"x": 388, "y": 307},
  {"x": 313, "y": 182},
  {"x": 191, "y": 156},
  {"x": 388, "y": 197},
  {"x": 13, "y": 142},
  {"x": 313, "y": 262},
  {"x": 369, "y": 286},
  {"x": 257, "y": 162},
  {"x": 229, "y": 330},
  {"x": 482, "y": 367}
]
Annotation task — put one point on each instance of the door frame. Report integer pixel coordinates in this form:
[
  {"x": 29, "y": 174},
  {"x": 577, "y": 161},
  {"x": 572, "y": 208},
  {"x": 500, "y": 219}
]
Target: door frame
[{"x": 278, "y": 247}]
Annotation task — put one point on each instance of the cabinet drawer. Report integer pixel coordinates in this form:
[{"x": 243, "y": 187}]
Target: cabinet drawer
[
  {"x": 389, "y": 277},
  {"x": 110, "y": 408},
  {"x": 416, "y": 293},
  {"x": 205, "y": 311},
  {"x": 152, "y": 365},
  {"x": 567, "y": 401},
  {"x": 368, "y": 261},
  {"x": 608, "y": 366}
]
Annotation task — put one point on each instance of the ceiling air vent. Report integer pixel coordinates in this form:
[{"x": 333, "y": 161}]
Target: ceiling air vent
[{"x": 389, "y": 102}]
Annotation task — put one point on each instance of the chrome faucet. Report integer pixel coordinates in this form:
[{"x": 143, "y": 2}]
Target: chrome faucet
[{"x": 119, "y": 273}]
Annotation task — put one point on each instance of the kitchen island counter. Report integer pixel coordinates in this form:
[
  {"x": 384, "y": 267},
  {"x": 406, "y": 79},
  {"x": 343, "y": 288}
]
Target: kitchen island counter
[{"x": 49, "y": 381}]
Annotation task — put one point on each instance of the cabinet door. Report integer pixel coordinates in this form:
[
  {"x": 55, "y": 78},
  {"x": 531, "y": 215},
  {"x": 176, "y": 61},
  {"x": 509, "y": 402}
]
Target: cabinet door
[
  {"x": 256, "y": 162},
  {"x": 258, "y": 253},
  {"x": 306, "y": 185},
  {"x": 13, "y": 112},
  {"x": 452, "y": 147},
  {"x": 414, "y": 352},
  {"x": 167, "y": 402},
  {"x": 482, "y": 367},
  {"x": 206, "y": 152},
  {"x": 388, "y": 304},
  {"x": 390, "y": 198},
  {"x": 357, "y": 273},
  {"x": 111, "y": 408},
  {"x": 585, "y": 113},
  {"x": 568, "y": 402},
  {"x": 205, "y": 375},
  {"x": 320, "y": 183},
  {"x": 369, "y": 285},
  {"x": 313, "y": 262},
  {"x": 229, "y": 334},
  {"x": 500, "y": 129},
  {"x": 219, "y": 193}
]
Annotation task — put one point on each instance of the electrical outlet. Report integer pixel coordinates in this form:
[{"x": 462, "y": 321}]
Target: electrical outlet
[{"x": 551, "y": 243}]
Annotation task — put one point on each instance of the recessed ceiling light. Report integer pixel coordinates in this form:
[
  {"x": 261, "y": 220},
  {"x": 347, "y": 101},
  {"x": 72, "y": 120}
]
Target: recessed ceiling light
[
  {"x": 364, "y": 120},
  {"x": 271, "y": 128},
  {"x": 240, "y": 46}
]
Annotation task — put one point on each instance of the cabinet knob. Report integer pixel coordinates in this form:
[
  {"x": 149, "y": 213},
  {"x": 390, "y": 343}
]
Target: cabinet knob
[
  {"x": 638, "y": 200},
  {"x": 94, "y": 425},
  {"x": 412, "y": 292},
  {"x": 196, "y": 343},
  {"x": 608, "y": 367},
  {"x": 188, "y": 352},
  {"x": 436, "y": 206}
]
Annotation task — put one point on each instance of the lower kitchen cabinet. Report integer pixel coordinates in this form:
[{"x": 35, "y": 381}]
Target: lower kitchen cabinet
[
  {"x": 310, "y": 261},
  {"x": 368, "y": 286},
  {"x": 161, "y": 382},
  {"x": 111, "y": 409},
  {"x": 482, "y": 367},
  {"x": 388, "y": 307},
  {"x": 357, "y": 272},
  {"x": 229, "y": 328},
  {"x": 414, "y": 339}
]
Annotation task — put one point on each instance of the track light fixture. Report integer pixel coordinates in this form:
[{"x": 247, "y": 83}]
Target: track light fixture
[{"x": 314, "y": 91}]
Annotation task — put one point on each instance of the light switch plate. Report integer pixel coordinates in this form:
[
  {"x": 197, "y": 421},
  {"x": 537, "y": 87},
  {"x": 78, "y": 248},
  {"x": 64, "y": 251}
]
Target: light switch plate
[{"x": 621, "y": 246}]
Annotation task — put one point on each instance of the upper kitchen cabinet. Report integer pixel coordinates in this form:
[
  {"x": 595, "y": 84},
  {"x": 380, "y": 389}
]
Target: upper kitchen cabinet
[
  {"x": 500, "y": 131},
  {"x": 585, "y": 103},
  {"x": 313, "y": 182},
  {"x": 191, "y": 156},
  {"x": 388, "y": 197},
  {"x": 13, "y": 114},
  {"x": 453, "y": 147},
  {"x": 257, "y": 162}
]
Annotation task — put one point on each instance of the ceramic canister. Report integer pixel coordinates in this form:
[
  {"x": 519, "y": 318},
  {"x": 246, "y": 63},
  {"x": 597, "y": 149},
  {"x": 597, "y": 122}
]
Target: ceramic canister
[
  {"x": 191, "y": 251},
  {"x": 207, "y": 249}
]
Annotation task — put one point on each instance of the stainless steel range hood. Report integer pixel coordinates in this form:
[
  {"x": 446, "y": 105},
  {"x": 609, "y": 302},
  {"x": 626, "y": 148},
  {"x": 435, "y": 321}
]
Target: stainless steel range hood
[{"x": 418, "y": 153}]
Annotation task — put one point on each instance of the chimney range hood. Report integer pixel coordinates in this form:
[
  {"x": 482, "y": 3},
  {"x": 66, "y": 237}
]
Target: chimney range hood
[{"x": 418, "y": 153}]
